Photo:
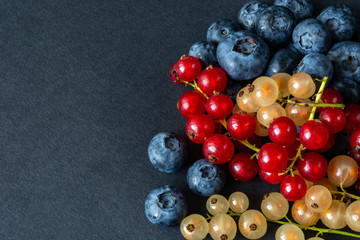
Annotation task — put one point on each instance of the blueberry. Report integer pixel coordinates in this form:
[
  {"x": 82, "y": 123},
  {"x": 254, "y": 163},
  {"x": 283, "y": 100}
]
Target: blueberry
[
  {"x": 205, "y": 52},
  {"x": 345, "y": 57},
  {"x": 165, "y": 206},
  {"x": 311, "y": 35},
  {"x": 316, "y": 65},
  {"x": 168, "y": 152},
  {"x": 221, "y": 29},
  {"x": 284, "y": 60},
  {"x": 275, "y": 24},
  {"x": 205, "y": 178},
  {"x": 243, "y": 55},
  {"x": 349, "y": 89},
  {"x": 341, "y": 20},
  {"x": 249, "y": 14},
  {"x": 300, "y": 8}
]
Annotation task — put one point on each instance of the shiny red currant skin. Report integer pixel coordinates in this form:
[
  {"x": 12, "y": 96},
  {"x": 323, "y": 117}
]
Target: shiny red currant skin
[
  {"x": 293, "y": 188},
  {"x": 334, "y": 119},
  {"x": 313, "y": 135},
  {"x": 282, "y": 131},
  {"x": 352, "y": 113},
  {"x": 271, "y": 177},
  {"x": 355, "y": 141},
  {"x": 313, "y": 167},
  {"x": 173, "y": 75},
  {"x": 188, "y": 68},
  {"x": 272, "y": 157},
  {"x": 219, "y": 106},
  {"x": 254, "y": 140},
  {"x": 241, "y": 126},
  {"x": 242, "y": 167},
  {"x": 212, "y": 81},
  {"x": 218, "y": 149},
  {"x": 191, "y": 103},
  {"x": 355, "y": 156},
  {"x": 199, "y": 127},
  {"x": 330, "y": 95},
  {"x": 330, "y": 143}
]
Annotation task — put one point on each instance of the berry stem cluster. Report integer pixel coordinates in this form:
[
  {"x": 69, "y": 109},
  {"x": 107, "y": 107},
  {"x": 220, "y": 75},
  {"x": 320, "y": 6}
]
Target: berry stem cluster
[{"x": 320, "y": 231}]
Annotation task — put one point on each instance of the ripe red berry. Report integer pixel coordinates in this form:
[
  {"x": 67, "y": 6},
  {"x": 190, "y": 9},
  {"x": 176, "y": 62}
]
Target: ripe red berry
[
  {"x": 330, "y": 143},
  {"x": 199, "y": 127},
  {"x": 313, "y": 135},
  {"x": 242, "y": 167},
  {"x": 212, "y": 81},
  {"x": 188, "y": 68},
  {"x": 173, "y": 75},
  {"x": 355, "y": 141},
  {"x": 357, "y": 186},
  {"x": 330, "y": 95},
  {"x": 219, "y": 106},
  {"x": 271, "y": 177},
  {"x": 191, "y": 103},
  {"x": 241, "y": 126},
  {"x": 334, "y": 119},
  {"x": 282, "y": 131},
  {"x": 313, "y": 167},
  {"x": 293, "y": 188},
  {"x": 218, "y": 149},
  {"x": 272, "y": 157},
  {"x": 352, "y": 113}
]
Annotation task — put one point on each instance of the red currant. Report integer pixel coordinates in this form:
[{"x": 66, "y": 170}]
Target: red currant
[
  {"x": 293, "y": 188},
  {"x": 355, "y": 141},
  {"x": 355, "y": 156},
  {"x": 188, "y": 68},
  {"x": 352, "y": 113},
  {"x": 282, "y": 131},
  {"x": 334, "y": 119},
  {"x": 242, "y": 167},
  {"x": 330, "y": 95},
  {"x": 218, "y": 149},
  {"x": 313, "y": 167},
  {"x": 271, "y": 177},
  {"x": 212, "y": 81},
  {"x": 241, "y": 126},
  {"x": 254, "y": 140},
  {"x": 191, "y": 103},
  {"x": 199, "y": 127},
  {"x": 313, "y": 135},
  {"x": 173, "y": 75},
  {"x": 219, "y": 106},
  {"x": 272, "y": 157},
  {"x": 330, "y": 143}
]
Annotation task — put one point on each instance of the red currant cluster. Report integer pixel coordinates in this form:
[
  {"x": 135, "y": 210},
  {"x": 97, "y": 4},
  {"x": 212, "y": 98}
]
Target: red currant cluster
[{"x": 265, "y": 108}]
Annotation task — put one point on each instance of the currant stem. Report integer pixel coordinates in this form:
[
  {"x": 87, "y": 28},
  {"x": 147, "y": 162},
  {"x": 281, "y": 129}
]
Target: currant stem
[
  {"x": 316, "y": 229},
  {"x": 318, "y": 97},
  {"x": 244, "y": 142},
  {"x": 195, "y": 86},
  {"x": 338, "y": 105}
]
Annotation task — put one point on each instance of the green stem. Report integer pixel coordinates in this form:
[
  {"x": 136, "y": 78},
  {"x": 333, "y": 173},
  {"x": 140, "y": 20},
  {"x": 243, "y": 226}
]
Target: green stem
[
  {"x": 318, "y": 97},
  {"x": 346, "y": 194},
  {"x": 316, "y": 229},
  {"x": 195, "y": 86},
  {"x": 311, "y": 104}
]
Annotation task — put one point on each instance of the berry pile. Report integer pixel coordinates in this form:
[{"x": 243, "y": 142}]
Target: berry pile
[{"x": 291, "y": 110}]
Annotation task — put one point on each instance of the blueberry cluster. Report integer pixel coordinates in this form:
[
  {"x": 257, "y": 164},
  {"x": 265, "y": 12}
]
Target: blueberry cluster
[{"x": 287, "y": 37}]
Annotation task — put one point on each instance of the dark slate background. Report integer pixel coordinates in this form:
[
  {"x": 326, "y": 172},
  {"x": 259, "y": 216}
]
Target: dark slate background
[{"x": 84, "y": 87}]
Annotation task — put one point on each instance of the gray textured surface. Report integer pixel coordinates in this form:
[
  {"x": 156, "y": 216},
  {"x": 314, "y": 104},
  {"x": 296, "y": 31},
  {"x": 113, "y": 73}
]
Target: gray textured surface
[{"x": 84, "y": 87}]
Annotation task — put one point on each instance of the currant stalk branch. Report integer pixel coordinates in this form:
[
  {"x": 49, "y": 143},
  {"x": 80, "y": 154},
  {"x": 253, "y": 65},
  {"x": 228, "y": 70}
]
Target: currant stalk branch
[{"x": 320, "y": 231}]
